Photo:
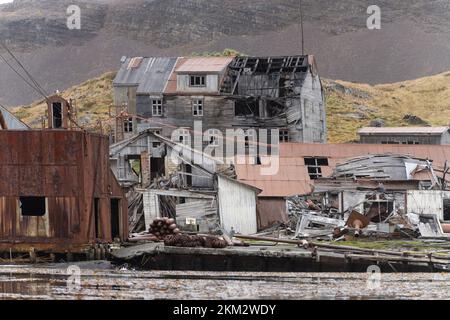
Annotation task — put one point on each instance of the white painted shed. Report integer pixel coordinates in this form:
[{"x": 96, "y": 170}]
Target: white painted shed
[
  {"x": 237, "y": 206},
  {"x": 427, "y": 202}
]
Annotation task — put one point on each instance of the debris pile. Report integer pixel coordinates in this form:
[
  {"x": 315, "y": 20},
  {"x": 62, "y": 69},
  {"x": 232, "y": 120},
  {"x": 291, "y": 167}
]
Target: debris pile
[{"x": 382, "y": 196}]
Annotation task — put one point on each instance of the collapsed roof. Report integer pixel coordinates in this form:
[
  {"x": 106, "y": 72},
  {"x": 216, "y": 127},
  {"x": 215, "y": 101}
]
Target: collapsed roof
[{"x": 383, "y": 167}]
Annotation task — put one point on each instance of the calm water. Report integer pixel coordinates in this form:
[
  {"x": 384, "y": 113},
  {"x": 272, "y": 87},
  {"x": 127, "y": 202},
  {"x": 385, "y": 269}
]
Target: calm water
[{"x": 61, "y": 283}]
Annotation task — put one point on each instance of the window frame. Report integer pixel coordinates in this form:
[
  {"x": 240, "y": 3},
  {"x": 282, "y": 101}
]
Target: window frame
[
  {"x": 214, "y": 135},
  {"x": 128, "y": 125},
  {"x": 184, "y": 133},
  {"x": 32, "y": 198},
  {"x": 315, "y": 170},
  {"x": 283, "y": 135},
  {"x": 193, "y": 80},
  {"x": 198, "y": 106},
  {"x": 157, "y": 105}
]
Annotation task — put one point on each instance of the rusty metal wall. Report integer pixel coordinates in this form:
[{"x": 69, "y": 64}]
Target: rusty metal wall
[
  {"x": 271, "y": 211},
  {"x": 70, "y": 169}
]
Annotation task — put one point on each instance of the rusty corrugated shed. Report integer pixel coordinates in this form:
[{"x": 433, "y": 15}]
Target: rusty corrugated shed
[
  {"x": 70, "y": 169},
  {"x": 293, "y": 178}
]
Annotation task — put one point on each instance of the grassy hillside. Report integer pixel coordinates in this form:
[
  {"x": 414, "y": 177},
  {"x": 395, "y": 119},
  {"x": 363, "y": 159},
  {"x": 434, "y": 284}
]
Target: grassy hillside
[
  {"x": 93, "y": 99},
  {"x": 350, "y": 106}
]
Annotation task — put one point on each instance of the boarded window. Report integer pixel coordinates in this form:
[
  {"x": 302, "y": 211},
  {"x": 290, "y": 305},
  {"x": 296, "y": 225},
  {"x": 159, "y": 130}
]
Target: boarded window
[
  {"x": 315, "y": 166},
  {"x": 197, "y": 81},
  {"x": 33, "y": 206}
]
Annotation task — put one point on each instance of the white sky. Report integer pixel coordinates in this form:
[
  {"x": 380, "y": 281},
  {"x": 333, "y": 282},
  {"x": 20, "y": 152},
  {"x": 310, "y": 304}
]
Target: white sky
[{"x": 5, "y": 1}]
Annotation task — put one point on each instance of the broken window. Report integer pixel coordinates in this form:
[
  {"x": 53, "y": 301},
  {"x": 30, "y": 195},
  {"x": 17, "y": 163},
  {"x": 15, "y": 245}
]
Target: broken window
[
  {"x": 33, "y": 206},
  {"x": 197, "y": 107},
  {"x": 378, "y": 208},
  {"x": 446, "y": 209},
  {"x": 275, "y": 108},
  {"x": 315, "y": 166},
  {"x": 57, "y": 115},
  {"x": 197, "y": 81},
  {"x": 157, "y": 110},
  {"x": 128, "y": 125},
  {"x": 244, "y": 108},
  {"x": 284, "y": 135},
  {"x": 156, "y": 144},
  {"x": 213, "y": 135}
]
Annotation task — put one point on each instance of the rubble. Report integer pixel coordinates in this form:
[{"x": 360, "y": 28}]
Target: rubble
[{"x": 374, "y": 196}]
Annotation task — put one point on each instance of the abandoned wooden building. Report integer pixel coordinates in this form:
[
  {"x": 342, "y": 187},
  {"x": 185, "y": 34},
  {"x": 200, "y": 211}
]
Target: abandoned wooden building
[
  {"x": 164, "y": 94},
  {"x": 174, "y": 183},
  {"x": 406, "y": 135},
  {"x": 57, "y": 192}
]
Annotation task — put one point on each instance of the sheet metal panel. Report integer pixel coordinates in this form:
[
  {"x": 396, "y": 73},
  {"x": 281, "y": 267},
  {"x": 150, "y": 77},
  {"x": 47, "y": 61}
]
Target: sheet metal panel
[
  {"x": 151, "y": 75},
  {"x": 70, "y": 169},
  {"x": 12, "y": 122}
]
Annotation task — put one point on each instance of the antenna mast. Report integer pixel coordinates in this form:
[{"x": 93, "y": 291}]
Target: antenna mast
[{"x": 301, "y": 27}]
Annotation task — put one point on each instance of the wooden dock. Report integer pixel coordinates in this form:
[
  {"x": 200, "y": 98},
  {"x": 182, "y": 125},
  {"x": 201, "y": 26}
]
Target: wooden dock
[{"x": 277, "y": 258}]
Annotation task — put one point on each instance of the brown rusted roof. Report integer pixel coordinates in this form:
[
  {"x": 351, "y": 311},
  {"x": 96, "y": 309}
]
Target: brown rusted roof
[
  {"x": 293, "y": 179},
  {"x": 204, "y": 64},
  {"x": 171, "y": 87}
]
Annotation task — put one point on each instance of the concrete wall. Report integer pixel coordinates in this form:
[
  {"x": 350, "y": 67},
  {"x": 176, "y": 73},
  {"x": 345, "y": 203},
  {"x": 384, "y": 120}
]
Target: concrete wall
[{"x": 271, "y": 211}]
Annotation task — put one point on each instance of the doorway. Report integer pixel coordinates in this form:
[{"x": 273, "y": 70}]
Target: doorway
[{"x": 115, "y": 218}]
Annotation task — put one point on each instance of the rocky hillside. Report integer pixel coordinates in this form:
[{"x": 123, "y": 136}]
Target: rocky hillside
[
  {"x": 414, "y": 40},
  {"x": 350, "y": 106}
]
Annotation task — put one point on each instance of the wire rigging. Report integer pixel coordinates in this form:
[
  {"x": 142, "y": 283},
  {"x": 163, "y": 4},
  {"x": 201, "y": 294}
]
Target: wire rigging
[{"x": 31, "y": 81}]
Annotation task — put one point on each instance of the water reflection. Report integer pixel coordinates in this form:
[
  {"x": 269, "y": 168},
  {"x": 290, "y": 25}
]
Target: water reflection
[{"x": 53, "y": 283}]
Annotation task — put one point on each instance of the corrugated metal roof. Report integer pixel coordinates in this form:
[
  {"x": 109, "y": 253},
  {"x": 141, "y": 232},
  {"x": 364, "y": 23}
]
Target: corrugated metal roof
[
  {"x": 11, "y": 121},
  {"x": 149, "y": 74},
  {"x": 293, "y": 178},
  {"x": 204, "y": 64},
  {"x": 404, "y": 130},
  {"x": 171, "y": 87}
]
